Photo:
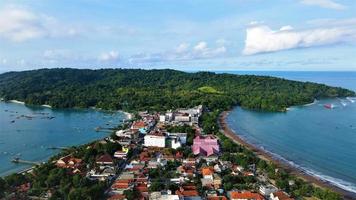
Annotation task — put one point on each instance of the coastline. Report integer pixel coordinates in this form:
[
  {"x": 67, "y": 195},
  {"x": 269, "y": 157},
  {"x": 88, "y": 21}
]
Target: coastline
[
  {"x": 280, "y": 163},
  {"x": 125, "y": 115}
]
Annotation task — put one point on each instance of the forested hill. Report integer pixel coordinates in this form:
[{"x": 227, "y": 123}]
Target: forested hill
[{"x": 136, "y": 89}]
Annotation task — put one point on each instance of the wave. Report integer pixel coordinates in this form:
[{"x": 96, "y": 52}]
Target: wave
[
  {"x": 16, "y": 101},
  {"x": 310, "y": 104},
  {"x": 325, "y": 178},
  {"x": 352, "y": 100}
]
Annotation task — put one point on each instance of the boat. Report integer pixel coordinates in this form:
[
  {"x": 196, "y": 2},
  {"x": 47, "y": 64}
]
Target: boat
[{"x": 329, "y": 106}]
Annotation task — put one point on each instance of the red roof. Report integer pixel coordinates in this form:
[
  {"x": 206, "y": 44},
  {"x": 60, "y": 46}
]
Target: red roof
[
  {"x": 246, "y": 195},
  {"x": 138, "y": 124},
  {"x": 281, "y": 195},
  {"x": 207, "y": 171},
  {"x": 142, "y": 187},
  {"x": 217, "y": 198},
  {"x": 117, "y": 197},
  {"x": 187, "y": 193},
  {"x": 106, "y": 158}
]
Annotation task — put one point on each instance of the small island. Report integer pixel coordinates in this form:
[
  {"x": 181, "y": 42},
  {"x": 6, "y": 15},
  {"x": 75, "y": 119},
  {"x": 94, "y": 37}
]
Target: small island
[{"x": 175, "y": 146}]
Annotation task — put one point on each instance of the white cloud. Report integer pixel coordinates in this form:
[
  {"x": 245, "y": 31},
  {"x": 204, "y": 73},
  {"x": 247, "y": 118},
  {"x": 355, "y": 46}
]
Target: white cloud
[
  {"x": 110, "y": 56},
  {"x": 182, "y": 48},
  {"x": 324, "y": 4},
  {"x": 183, "y": 52},
  {"x": 261, "y": 38},
  {"x": 201, "y": 46},
  {"x": 19, "y": 24}
]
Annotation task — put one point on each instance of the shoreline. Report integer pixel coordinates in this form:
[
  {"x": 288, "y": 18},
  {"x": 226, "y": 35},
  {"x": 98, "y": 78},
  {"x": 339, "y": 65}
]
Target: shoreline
[{"x": 262, "y": 154}]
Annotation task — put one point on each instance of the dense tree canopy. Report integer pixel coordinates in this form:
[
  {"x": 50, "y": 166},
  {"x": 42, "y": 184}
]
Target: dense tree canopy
[{"x": 136, "y": 89}]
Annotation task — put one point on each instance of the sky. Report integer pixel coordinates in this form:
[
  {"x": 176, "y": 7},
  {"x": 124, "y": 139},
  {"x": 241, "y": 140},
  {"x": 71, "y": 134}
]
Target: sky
[{"x": 190, "y": 35}]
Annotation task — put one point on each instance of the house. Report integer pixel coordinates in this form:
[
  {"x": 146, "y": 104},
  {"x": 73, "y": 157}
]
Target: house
[
  {"x": 137, "y": 125},
  {"x": 105, "y": 160},
  {"x": 175, "y": 143},
  {"x": 207, "y": 172},
  {"x": 155, "y": 139},
  {"x": 69, "y": 162},
  {"x": 117, "y": 197},
  {"x": 182, "y": 137},
  {"x": 217, "y": 198},
  {"x": 217, "y": 181},
  {"x": 121, "y": 185},
  {"x": 234, "y": 195},
  {"x": 125, "y": 133},
  {"x": 122, "y": 154},
  {"x": 266, "y": 190},
  {"x": 102, "y": 174},
  {"x": 279, "y": 195},
  {"x": 163, "y": 196},
  {"x": 205, "y": 146},
  {"x": 187, "y": 191},
  {"x": 207, "y": 182},
  {"x": 162, "y": 118}
]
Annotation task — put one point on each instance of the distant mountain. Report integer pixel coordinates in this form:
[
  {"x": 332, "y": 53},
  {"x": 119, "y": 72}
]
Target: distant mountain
[{"x": 137, "y": 89}]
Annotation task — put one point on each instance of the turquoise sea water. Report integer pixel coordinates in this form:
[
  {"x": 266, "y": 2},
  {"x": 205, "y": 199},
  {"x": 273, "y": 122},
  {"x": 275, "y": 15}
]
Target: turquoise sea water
[
  {"x": 318, "y": 140},
  {"x": 29, "y": 137}
]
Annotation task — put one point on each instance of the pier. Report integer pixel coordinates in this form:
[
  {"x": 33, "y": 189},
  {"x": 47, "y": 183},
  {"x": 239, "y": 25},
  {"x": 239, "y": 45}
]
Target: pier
[
  {"x": 61, "y": 148},
  {"x": 19, "y": 161}
]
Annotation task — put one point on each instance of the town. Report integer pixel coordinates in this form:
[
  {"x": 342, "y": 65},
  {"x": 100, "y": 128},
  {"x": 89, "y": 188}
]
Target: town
[{"x": 168, "y": 156}]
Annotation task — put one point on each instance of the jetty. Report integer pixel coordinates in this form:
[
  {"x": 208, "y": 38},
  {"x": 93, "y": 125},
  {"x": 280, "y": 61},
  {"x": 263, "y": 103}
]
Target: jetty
[
  {"x": 19, "y": 161},
  {"x": 61, "y": 148}
]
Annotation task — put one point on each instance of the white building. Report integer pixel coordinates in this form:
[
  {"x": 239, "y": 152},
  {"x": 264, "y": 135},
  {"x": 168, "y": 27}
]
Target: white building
[
  {"x": 182, "y": 137},
  {"x": 266, "y": 190},
  {"x": 162, "y": 118},
  {"x": 182, "y": 118},
  {"x": 175, "y": 143},
  {"x": 155, "y": 140}
]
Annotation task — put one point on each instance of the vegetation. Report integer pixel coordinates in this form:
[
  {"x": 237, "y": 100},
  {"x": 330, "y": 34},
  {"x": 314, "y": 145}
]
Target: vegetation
[{"x": 157, "y": 90}]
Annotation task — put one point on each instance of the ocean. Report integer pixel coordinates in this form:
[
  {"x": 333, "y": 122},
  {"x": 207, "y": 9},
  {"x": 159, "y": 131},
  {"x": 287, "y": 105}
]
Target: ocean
[
  {"x": 318, "y": 140},
  {"x": 28, "y": 131}
]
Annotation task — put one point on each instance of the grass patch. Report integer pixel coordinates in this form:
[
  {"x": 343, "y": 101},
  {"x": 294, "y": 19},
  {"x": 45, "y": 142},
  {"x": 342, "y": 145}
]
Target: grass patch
[{"x": 209, "y": 90}]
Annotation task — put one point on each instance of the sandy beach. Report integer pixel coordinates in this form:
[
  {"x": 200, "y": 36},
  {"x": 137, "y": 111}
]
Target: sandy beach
[{"x": 267, "y": 156}]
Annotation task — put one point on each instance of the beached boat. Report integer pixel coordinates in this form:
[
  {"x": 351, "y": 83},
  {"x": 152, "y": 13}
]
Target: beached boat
[{"x": 329, "y": 106}]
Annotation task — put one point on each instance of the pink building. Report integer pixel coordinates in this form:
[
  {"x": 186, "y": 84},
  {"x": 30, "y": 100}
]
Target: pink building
[{"x": 205, "y": 146}]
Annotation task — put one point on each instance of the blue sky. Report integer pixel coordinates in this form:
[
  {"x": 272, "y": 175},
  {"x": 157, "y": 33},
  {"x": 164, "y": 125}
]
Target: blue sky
[{"x": 185, "y": 34}]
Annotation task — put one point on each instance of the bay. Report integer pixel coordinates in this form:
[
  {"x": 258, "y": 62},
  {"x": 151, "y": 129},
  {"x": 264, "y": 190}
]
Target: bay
[
  {"x": 321, "y": 141},
  {"x": 28, "y": 131}
]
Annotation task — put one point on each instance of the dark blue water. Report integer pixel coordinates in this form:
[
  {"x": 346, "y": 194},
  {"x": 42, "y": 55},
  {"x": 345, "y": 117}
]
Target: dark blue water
[
  {"x": 30, "y": 138},
  {"x": 319, "y": 140}
]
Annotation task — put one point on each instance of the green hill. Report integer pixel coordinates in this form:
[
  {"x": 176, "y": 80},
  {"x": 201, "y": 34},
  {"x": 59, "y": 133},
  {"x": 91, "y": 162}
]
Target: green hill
[{"x": 137, "y": 89}]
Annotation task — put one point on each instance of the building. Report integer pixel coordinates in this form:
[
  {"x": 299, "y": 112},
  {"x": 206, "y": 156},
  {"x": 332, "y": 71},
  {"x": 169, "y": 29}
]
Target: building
[
  {"x": 138, "y": 125},
  {"x": 205, "y": 146},
  {"x": 120, "y": 154},
  {"x": 266, "y": 190},
  {"x": 105, "y": 160},
  {"x": 69, "y": 162},
  {"x": 279, "y": 195},
  {"x": 182, "y": 137},
  {"x": 155, "y": 140},
  {"x": 234, "y": 195}
]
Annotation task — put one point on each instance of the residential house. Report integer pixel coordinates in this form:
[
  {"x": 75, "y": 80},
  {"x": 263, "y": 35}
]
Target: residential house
[
  {"x": 279, "y": 195},
  {"x": 266, "y": 190},
  {"x": 234, "y": 195}
]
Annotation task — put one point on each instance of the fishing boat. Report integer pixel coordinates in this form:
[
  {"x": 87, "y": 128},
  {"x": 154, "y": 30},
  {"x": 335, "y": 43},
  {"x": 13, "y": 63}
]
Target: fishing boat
[{"x": 329, "y": 106}]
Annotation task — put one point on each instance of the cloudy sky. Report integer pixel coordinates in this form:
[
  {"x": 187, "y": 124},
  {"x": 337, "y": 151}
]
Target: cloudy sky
[{"x": 180, "y": 34}]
